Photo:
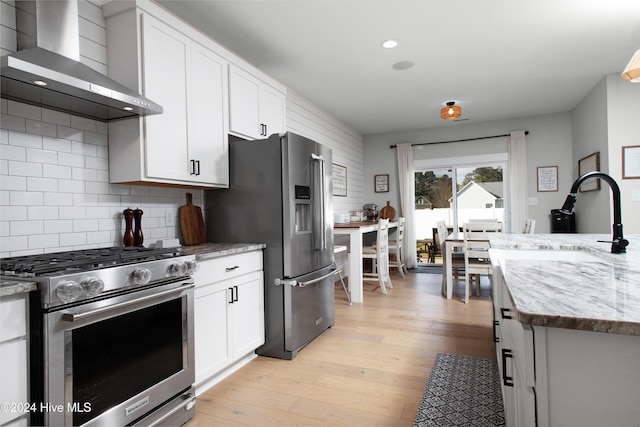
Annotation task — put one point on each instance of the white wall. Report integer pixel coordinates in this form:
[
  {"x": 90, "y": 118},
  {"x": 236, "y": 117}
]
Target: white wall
[
  {"x": 623, "y": 113},
  {"x": 548, "y": 144}
]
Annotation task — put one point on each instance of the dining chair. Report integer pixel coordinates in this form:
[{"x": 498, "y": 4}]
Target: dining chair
[
  {"x": 529, "y": 226},
  {"x": 476, "y": 253},
  {"x": 396, "y": 247},
  {"x": 379, "y": 256},
  {"x": 457, "y": 257}
]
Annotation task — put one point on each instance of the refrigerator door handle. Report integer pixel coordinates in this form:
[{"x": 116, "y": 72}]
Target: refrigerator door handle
[
  {"x": 293, "y": 282},
  {"x": 317, "y": 192}
]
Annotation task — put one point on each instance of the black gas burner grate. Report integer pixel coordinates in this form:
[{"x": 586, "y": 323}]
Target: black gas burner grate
[{"x": 36, "y": 265}]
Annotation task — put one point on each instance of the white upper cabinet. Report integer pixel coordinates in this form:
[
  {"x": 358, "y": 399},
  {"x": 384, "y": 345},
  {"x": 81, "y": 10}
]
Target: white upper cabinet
[
  {"x": 187, "y": 144},
  {"x": 256, "y": 108}
]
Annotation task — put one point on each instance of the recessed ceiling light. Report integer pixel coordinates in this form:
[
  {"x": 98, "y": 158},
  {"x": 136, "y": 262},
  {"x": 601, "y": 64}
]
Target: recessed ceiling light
[
  {"x": 389, "y": 44},
  {"x": 403, "y": 65},
  {"x": 127, "y": 108},
  {"x": 39, "y": 82}
]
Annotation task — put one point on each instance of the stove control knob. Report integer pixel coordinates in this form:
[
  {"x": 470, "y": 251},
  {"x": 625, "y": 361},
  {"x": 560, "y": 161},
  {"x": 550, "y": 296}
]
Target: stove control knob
[
  {"x": 92, "y": 286},
  {"x": 178, "y": 269},
  {"x": 141, "y": 276},
  {"x": 68, "y": 291},
  {"x": 192, "y": 266}
]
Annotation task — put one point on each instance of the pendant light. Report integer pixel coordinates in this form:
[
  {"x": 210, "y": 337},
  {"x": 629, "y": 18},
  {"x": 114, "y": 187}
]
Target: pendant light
[
  {"x": 451, "y": 111},
  {"x": 632, "y": 71}
]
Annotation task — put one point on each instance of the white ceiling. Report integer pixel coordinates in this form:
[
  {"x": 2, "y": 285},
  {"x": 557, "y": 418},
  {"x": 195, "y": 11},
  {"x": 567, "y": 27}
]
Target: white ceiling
[{"x": 496, "y": 58}]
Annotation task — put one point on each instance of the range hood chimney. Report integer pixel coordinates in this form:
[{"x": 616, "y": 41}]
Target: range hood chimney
[{"x": 46, "y": 70}]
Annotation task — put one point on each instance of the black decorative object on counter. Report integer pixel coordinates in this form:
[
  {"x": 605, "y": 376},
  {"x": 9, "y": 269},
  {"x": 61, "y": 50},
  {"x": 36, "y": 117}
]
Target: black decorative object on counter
[
  {"x": 138, "y": 237},
  {"x": 129, "y": 239}
]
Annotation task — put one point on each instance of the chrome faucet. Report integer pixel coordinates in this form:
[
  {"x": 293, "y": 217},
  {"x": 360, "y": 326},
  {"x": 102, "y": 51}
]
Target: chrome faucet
[{"x": 618, "y": 243}]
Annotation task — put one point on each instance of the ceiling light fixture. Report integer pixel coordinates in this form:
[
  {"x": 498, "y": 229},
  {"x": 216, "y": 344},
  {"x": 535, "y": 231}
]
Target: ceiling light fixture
[
  {"x": 632, "y": 70},
  {"x": 451, "y": 111},
  {"x": 389, "y": 44}
]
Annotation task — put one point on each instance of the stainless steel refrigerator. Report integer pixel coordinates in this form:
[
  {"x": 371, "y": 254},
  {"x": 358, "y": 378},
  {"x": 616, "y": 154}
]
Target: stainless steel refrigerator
[{"x": 280, "y": 193}]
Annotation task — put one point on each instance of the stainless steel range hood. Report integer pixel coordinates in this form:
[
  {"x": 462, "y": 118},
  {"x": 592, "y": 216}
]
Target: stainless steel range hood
[{"x": 46, "y": 70}]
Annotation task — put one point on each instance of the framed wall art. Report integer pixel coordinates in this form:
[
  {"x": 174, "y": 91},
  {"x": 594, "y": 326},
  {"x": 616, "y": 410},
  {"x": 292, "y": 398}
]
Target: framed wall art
[
  {"x": 631, "y": 162},
  {"x": 589, "y": 164},
  {"x": 547, "y": 178},
  {"x": 339, "y": 180},
  {"x": 381, "y": 183}
]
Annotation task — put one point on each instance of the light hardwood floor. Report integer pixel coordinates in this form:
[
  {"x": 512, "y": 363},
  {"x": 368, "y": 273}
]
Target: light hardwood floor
[{"x": 370, "y": 369}]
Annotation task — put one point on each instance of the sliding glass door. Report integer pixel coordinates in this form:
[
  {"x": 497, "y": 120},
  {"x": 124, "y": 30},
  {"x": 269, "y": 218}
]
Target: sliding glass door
[{"x": 465, "y": 189}]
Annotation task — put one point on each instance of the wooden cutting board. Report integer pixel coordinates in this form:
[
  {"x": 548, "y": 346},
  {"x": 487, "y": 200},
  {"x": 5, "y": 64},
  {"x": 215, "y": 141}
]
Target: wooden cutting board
[
  {"x": 388, "y": 212},
  {"x": 191, "y": 223}
]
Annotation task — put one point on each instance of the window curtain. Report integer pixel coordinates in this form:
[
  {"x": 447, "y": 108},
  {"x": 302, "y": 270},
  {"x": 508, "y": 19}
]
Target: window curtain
[
  {"x": 406, "y": 181},
  {"x": 517, "y": 158}
]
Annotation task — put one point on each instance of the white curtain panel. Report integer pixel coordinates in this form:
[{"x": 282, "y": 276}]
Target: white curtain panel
[
  {"x": 517, "y": 158},
  {"x": 407, "y": 201}
]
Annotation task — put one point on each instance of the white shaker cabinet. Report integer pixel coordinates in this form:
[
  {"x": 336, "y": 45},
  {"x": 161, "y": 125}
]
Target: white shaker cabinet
[
  {"x": 187, "y": 144},
  {"x": 256, "y": 109},
  {"x": 229, "y": 315},
  {"x": 14, "y": 357}
]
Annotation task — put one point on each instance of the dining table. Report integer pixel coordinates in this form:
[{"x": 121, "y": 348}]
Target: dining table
[{"x": 356, "y": 231}]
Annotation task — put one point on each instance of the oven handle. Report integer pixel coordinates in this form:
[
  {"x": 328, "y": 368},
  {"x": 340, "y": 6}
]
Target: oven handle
[{"x": 73, "y": 317}]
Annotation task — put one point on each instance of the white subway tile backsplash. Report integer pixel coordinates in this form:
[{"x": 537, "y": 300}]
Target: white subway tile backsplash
[
  {"x": 13, "y": 213},
  {"x": 85, "y": 225},
  {"x": 9, "y": 182},
  {"x": 96, "y": 163},
  {"x": 98, "y": 236},
  {"x": 56, "y": 117},
  {"x": 13, "y": 123},
  {"x": 83, "y": 123},
  {"x": 58, "y": 226},
  {"x": 25, "y": 228},
  {"x": 13, "y": 245},
  {"x": 73, "y": 239},
  {"x": 4, "y": 231},
  {"x": 97, "y": 212},
  {"x": 84, "y": 175},
  {"x": 66, "y": 159},
  {"x": 83, "y": 148},
  {"x": 96, "y": 187},
  {"x": 85, "y": 199},
  {"x": 103, "y": 176},
  {"x": 58, "y": 199},
  {"x": 43, "y": 241},
  {"x": 99, "y": 139},
  {"x": 56, "y": 144},
  {"x": 41, "y": 128},
  {"x": 12, "y": 152},
  {"x": 110, "y": 224},
  {"x": 27, "y": 198},
  {"x": 70, "y": 186},
  {"x": 72, "y": 212},
  {"x": 22, "y": 139},
  {"x": 70, "y": 133},
  {"x": 42, "y": 184},
  {"x": 55, "y": 171},
  {"x": 25, "y": 168},
  {"x": 37, "y": 155},
  {"x": 41, "y": 212}
]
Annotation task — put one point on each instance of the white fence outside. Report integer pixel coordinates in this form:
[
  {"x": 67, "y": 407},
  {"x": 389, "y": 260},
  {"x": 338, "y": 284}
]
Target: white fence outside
[{"x": 425, "y": 219}]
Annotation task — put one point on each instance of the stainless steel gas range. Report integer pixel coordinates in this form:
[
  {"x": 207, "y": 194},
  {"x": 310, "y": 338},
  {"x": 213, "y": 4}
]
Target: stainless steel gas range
[{"x": 111, "y": 336}]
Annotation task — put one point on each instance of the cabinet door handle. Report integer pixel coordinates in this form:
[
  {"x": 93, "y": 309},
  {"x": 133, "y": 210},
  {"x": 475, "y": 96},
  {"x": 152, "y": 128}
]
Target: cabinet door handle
[
  {"x": 503, "y": 312},
  {"x": 506, "y": 380},
  {"x": 197, "y": 167},
  {"x": 236, "y": 297},
  {"x": 193, "y": 166},
  {"x": 235, "y": 267},
  {"x": 495, "y": 331},
  {"x": 230, "y": 295}
]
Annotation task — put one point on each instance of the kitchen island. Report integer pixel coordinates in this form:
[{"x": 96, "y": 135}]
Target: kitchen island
[{"x": 567, "y": 326}]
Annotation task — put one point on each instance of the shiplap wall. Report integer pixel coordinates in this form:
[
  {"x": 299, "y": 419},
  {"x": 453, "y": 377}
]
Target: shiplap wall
[{"x": 54, "y": 183}]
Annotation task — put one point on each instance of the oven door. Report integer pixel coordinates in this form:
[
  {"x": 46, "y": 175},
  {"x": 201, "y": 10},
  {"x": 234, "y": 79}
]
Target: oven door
[{"x": 113, "y": 361}]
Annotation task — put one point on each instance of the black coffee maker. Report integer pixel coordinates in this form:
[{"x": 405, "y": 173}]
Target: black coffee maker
[{"x": 371, "y": 211}]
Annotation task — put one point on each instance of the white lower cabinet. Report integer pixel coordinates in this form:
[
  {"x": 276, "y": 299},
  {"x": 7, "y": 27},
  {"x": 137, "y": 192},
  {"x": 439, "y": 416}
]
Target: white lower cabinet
[
  {"x": 564, "y": 377},
  {"x": 14, "y": 392},
  {"x": 229, "y": 315}
]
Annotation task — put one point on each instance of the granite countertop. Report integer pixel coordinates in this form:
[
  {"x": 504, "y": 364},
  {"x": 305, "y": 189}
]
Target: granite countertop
[
  {"x": 10, "y": 286},
  {"x": 602, "y": 295},
  {"x": 216, "y": 250}
]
